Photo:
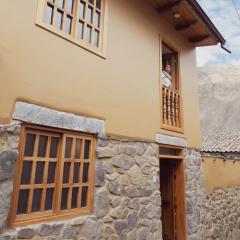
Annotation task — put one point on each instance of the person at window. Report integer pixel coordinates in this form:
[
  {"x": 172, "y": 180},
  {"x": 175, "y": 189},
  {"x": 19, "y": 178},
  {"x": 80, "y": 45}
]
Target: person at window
[{"x": 166, "y": 76}]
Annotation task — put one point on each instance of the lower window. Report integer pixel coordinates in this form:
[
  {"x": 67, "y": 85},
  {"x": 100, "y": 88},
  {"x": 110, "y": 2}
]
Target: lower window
[{"x": 54, "y": 175}]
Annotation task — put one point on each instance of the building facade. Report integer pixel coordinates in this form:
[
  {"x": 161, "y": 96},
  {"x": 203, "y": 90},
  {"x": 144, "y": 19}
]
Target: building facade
[{"x": 93, "y": 143}]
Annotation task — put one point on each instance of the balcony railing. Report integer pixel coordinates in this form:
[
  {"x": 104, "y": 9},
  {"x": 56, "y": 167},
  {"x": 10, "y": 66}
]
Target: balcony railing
[{"x": 171, "y": 109}]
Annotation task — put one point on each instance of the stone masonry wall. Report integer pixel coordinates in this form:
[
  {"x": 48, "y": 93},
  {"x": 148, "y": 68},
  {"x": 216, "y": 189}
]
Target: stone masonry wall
[
  {"x": 127, "y": 202},
  {"x": 223, "y": 214},
  {"x": 9, "y": 139},
  {"x": 195, "y": 196},
  {"x": 213, "y": 216}
]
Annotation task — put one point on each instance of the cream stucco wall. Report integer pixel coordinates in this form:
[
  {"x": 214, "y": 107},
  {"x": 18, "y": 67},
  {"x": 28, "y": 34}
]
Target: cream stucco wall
[
  {"x": 40, "y": 67},
  {"x": 220, "y": 173}
]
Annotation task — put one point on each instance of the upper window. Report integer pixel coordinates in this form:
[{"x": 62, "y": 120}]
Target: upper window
[
  {"x": 80, "y": 21},
  {"x": 172, "y": 118},
  {"x": 169, "y": 67},
  {"x": 54, "y": 175}
]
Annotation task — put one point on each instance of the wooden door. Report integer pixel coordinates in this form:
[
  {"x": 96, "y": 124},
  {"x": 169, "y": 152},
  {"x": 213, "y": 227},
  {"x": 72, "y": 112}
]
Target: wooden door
[{"x": 169, "y": 203}]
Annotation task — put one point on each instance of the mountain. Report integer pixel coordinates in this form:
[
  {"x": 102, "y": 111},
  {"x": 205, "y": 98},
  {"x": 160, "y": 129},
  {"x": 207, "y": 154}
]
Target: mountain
[{"x": 219, "y": 94}]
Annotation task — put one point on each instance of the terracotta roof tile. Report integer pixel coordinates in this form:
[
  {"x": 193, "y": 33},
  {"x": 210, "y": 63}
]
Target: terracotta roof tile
[{"x": 221, "y": 143}]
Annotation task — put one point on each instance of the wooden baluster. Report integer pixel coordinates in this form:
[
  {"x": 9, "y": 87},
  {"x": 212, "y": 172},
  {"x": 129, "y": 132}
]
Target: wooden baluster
[
  {"x": 164, "y": 96},
  {"x": 171, "y": 103},
  {"x": 177, "y": 110},
  {"x": 166, "y": 105},
  {"x": 169, "y": 106},
  {"x": 173, "y": 108}
]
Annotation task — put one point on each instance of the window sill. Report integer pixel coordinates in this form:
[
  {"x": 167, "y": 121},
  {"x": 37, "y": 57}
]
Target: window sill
[
  {"x": 173, "y": 129},
  {"x": 21, "y": 221}
]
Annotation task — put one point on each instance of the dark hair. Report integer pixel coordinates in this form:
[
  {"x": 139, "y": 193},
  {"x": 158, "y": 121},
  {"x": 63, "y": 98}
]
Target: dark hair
[{"x": 165, "y": 62}]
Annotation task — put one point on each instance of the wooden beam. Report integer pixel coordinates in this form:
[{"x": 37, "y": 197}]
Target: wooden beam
[
  {"x": 198, "y": 39},
  {"x": 169, "y": 6},
  {"x": 185, "y": 26}
]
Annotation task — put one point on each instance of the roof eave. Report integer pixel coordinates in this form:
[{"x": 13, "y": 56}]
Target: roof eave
[{"x": 195, "y": 5}]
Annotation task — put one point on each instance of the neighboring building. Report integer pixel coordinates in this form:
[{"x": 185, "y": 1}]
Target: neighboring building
[
  {"x": 86, "y": 118},
  {"x": 221, "y": 167}
]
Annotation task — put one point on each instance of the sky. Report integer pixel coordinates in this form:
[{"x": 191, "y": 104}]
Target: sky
[{"x": 225, "y": 17}]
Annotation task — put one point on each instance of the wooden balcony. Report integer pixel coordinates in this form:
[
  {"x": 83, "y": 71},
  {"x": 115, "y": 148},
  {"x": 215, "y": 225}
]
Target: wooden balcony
[{"x": 172, "y": 110}]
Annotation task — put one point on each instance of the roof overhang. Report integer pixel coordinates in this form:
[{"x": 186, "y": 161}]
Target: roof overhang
[{"x": 189, "y": 19}]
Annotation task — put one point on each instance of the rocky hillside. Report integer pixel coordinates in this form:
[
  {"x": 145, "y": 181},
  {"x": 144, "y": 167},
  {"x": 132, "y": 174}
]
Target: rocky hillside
[{"x": 219, "y": 90}]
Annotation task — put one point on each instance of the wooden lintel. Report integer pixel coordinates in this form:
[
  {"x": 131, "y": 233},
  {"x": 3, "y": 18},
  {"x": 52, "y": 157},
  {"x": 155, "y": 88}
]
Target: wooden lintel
[
  {"x": 198, "y": 39},
  {"x": 185, "y": 26},
  {"x": 169, "y": 6}
]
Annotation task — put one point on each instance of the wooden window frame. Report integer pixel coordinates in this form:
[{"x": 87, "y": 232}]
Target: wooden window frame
[
  {"x": 178, "y": 129},
  {"x": 56, "y": 213},
  {"x": 99, "y": 51}
]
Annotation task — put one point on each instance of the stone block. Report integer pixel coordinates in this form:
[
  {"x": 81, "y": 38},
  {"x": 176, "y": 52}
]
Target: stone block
[
  {"x": 90, "y": 230},
  {"x": 112, "y": 177},
  {"x": 131, "y": 191},
  {"x": 143, "y": 233},
  {"x": 123, "y": 162},
  {"x": 145, "y": 191},
  {"x": 106, "y": 152},
  {"x": 102, "y": 203},
  {"x": 132, "y": 221},
  {"x": 102, "y": 142},
  {"x": 132, "y": 235},
  {"x": 13, "y": 128},
  {"x": 99, "y": 174},
  {"x": 129, "y": 150},
  {"x": 124, "y": 213},
  {"x": 48, "y": 117},
  {"x": 78, "y": 221},
  {"x": 125, "y": 203},
  {"x": 124, "y": 180},
  {"x": 140, "y": 148},
  {"x": 12, "y": 141},
  {"x": 25, "y": 233},
  {"x": 135, "y": 175},
  {"x": 108, "y": 167},
  {"x": 153, "y": 212},
  {"x": 107, "y": 219},
  {"x": 71, "y": 232},
  {"x": 50, "y": 229},
  {"x": 115, "y": 188},
  {"x": 45, "y": 230},
  {"x": 145, "y": 222},
  {"x": 134, "y": 204},
  {"x": 7, "y": 237},
  {"x": 115, "y": 202},
  {"x": 156, "y": 199},
  {"x": 140, "y": 160},
  {"x": 170, "y": 140},
  {"x": 119, "y": 226},
  {"x": 146, "y": 169},
  {"x": 116, "y": 213},
  {"x": 7, "y": 165},
  {"x": 108, "y": 231}
]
